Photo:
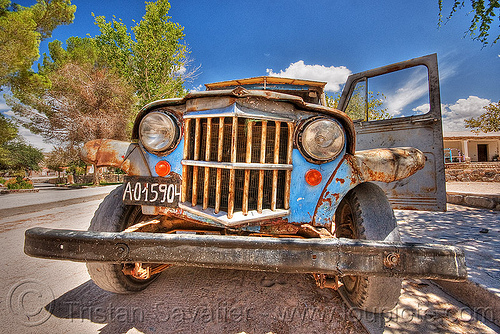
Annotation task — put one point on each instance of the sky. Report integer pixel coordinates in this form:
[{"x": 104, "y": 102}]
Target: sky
[{"x": 321, "y": 40}]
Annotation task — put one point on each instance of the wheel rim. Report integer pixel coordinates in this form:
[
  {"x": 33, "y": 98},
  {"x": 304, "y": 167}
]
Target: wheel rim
[{"x": 347, "y": 229}]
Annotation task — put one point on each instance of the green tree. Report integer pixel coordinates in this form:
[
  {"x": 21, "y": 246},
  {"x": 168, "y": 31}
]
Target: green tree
[
  {"x": 485, "y": 13},
  {"x": 15, "y": 154},
  {"x": 356, "y": 109},
  {"x": 23, "y": 28},
  {"x": 154, "y": 59},
  {"x": 89, "y": 90},
  {"x": 23, "y": 157},
  {"x": 8, "y": 132},
  {"x": 486, "y": 122}
]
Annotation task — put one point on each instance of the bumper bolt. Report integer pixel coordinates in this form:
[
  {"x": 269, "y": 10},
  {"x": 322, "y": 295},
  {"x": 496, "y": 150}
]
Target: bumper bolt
[{"x": 391, "y": 260}]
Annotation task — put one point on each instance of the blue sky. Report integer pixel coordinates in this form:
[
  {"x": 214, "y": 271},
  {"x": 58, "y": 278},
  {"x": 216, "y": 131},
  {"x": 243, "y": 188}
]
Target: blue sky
[{"x": 322, "y": 40}]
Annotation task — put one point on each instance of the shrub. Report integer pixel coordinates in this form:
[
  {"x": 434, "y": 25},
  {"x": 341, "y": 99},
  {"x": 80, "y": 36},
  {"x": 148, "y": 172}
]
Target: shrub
[{"x": 19, "y": 183}]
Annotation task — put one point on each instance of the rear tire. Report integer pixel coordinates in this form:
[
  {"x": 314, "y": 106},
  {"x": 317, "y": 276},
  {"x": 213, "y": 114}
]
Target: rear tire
[
  {"x": 365, "y": 213},
  {"x": 114, "y": 216}
]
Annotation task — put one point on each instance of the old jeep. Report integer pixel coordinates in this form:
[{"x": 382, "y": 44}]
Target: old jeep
[{"x": 258, "y": 174}]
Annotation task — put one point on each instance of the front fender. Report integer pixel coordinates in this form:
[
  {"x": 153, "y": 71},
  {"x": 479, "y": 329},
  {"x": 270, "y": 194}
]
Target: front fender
[
  {"x": 388, "y": 164},
  {"x": 385, "y": 165},
  {"x": 115, "y": 153}
]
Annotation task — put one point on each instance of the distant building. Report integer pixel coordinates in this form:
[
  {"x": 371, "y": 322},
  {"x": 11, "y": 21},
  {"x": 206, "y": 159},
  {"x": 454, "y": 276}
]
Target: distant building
[{"x": 467, "y": 146}]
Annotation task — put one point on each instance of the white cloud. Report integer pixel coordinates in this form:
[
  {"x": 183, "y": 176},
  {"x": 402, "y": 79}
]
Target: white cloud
[
  {"x": 414, "y": 88},
  {"x": 422, "y": 109},
  {"x": 30, "y": 138},
  {"x": 198, "y": 88},
  {"x": 8, "y": 113},
  {"x": 181, "y": 71},
  {"x": 35, "y": 140},
  {"x": 455, "y": 114},
  {"x": 333, "y": 76}
]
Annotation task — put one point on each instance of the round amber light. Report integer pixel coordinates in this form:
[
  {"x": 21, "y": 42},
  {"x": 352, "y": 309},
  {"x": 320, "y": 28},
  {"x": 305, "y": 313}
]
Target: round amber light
[
  {"x": 162, "y": 168},
  {"x": 313, "y": 177}
]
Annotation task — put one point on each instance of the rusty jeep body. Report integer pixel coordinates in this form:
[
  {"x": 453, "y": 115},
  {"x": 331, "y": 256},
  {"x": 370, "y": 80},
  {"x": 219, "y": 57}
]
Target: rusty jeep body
[{"x": 258, "y": 174}]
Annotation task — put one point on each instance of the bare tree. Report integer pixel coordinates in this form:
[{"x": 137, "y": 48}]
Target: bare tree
[{"x": 83, "y": 103}]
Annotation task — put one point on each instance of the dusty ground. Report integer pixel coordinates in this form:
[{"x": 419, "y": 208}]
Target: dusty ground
[
  {"x": 44, "y": 296},
  {"x": 182, "y": 300}
]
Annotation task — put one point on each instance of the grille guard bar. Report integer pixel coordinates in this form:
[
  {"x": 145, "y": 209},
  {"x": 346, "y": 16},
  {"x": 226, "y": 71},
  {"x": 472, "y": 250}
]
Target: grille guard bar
[{"x": 288, "y": 255}]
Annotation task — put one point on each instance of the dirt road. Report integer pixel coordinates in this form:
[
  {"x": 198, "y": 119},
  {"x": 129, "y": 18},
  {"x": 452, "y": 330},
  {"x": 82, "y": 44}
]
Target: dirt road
[
  {"x": 182, "y": 300},
  {"x": 44, "y": 296}
]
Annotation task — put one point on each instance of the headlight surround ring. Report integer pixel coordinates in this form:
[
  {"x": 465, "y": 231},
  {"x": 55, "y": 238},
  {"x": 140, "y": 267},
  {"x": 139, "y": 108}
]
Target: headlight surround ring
[
  {"x": 321, "y": 139},
  {"x": 159, "y": 132}
]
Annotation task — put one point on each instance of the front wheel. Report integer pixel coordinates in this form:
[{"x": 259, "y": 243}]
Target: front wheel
[
  {"x": 365, "y": 213},
  {"x": 114, "y": 216}
]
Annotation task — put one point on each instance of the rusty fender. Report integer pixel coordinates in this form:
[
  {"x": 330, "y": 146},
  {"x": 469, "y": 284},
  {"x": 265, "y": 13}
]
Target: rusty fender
[
  {"x": 115, "y": 153},
  {"x": 387, "y": 164},
  {"x": 288, "y": 255}
]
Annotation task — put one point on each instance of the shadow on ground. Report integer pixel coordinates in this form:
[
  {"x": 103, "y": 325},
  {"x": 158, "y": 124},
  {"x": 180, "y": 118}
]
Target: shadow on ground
[
  {"x": 196, "y": 300},
  {"x": 476, "y": 230}
]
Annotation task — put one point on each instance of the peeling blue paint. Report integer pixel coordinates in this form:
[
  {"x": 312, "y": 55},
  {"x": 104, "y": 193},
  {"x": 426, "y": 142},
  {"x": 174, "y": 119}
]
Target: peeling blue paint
[
  {"x": 303, "y": 197},
  {"x": 341, "y": 182},
  {"x": 174, "y": 159}
]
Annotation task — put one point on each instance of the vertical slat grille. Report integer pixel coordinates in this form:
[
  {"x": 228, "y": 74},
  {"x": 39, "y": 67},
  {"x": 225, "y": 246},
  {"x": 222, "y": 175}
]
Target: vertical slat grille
[
  {"x": 237, "y": 140},
  {"x": 206, "y": 178}
]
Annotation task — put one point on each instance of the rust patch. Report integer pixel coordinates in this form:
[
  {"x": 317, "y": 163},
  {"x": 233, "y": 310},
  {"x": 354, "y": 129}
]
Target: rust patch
[
  {"x": 322, "y": 198},
  {"x": 387, "y": 165},
  {"x": 327, "y": 198},
  {"x": 357, "y": 175},
  {"x": 89, "y": 151},
  {"x": 341, "y": 181},
  {"x": 280, "y": 228},
  {"x": 105, "y": 152}
]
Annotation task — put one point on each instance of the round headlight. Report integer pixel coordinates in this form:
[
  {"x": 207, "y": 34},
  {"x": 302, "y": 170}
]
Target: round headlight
[
  {"x": 158, "y": 131},
  {"x": 323, "y": 139}
]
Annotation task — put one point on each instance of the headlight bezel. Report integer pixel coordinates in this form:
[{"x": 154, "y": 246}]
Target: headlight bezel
[
  {"x": 168, "y": 147},
  {"x": 306, "y": 152}
]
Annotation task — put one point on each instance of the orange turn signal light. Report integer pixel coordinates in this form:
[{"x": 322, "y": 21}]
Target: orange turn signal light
[
  {"x": 313, "y": 177},
  {"x": 162, "y": 168}
]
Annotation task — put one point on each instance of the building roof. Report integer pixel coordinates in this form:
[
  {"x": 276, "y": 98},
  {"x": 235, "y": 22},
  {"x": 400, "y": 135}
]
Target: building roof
[{"x": 450, "y": 135}]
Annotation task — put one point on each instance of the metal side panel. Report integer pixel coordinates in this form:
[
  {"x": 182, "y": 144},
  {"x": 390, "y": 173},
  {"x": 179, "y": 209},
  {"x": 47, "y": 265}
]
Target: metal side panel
[{"x": 425, "y": 190}]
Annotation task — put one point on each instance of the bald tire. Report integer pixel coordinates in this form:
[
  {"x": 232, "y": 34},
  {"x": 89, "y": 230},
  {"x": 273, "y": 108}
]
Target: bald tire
[
  {"x": 114, "y": 216},
  {"x": 371, "y": 218}
]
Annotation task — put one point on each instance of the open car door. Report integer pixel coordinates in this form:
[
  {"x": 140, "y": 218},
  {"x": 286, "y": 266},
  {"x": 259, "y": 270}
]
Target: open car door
[{"x": 405, "y": 112}]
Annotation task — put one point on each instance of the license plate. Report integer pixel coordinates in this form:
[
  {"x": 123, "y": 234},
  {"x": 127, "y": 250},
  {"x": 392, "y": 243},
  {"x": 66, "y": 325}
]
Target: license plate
[{"x": 154, "y": 191}]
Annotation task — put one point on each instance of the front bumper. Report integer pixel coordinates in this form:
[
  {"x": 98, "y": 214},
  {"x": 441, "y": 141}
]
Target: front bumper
[{"x": 288, "y": 255}]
